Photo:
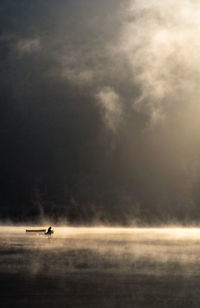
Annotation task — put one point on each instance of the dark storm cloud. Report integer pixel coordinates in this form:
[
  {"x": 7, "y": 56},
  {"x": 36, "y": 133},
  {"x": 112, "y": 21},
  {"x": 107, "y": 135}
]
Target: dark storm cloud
[{"x": 99, "y": 109}]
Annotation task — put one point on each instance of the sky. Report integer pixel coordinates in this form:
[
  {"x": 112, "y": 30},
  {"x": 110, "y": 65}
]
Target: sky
[{"x": 99, "y": 113}]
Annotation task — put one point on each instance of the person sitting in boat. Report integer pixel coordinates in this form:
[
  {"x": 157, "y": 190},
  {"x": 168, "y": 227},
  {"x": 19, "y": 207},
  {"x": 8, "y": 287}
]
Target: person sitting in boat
[{"x": 49, "y": 231}]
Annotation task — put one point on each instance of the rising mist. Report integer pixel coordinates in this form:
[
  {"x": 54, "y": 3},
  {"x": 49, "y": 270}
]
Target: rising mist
[{"x": 99, "y": 110}]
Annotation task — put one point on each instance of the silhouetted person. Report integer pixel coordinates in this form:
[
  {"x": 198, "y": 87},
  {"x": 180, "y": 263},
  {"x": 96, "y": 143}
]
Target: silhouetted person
[{"x": 49, "y": 231}]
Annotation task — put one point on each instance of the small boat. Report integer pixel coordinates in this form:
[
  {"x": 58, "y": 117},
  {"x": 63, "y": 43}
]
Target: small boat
[
  {"x": 36, "y": 230},
  {"x": 44, "y": 231}
]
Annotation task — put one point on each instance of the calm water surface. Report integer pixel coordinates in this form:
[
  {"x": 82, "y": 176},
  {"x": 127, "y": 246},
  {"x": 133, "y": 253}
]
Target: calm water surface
[{"x": 100, "y": 267}]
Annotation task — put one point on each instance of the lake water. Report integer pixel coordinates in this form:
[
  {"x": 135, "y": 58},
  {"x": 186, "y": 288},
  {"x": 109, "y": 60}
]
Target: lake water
[{"x": 100, "y": 267}]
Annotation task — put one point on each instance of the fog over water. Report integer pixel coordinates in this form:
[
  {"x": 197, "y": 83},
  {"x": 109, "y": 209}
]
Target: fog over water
[
  {"x": 99, "y": 126},
  {"x": 146, "y": 251},
  {"x": 91, "y": 267},
  {"x": 100, "y": 111}
]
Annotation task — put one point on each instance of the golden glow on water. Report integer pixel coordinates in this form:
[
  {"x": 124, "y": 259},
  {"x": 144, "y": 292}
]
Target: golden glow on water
[
  {"x": 176, "y": 232},
  {"x": 139, "y": 250}
]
